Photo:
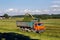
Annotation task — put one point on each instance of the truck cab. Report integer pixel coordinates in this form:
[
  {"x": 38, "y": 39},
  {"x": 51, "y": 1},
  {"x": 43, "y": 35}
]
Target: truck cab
[{"x": 39, "y": 27}]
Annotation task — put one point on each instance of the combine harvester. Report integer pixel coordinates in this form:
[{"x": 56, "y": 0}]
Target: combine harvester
[{"x": 30, "y": 23}]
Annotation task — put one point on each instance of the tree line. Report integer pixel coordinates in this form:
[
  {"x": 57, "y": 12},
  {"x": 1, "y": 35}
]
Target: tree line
[
  {"x": 47, "y": 16},
  {"x": 41, "y": 16}
]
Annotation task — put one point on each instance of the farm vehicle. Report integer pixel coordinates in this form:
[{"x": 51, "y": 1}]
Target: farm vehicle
[{"x": 30, "y": 23}]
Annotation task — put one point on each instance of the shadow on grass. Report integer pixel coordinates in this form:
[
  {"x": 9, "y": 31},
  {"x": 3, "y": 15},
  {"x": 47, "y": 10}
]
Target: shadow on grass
[{"x": 14, "y": 36}]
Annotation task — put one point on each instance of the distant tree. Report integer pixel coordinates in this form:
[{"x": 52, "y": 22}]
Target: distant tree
[{"x": 6, "y": 15}]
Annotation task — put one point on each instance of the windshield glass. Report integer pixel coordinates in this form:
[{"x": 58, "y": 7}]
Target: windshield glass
[{"x": 39, "y": 24}]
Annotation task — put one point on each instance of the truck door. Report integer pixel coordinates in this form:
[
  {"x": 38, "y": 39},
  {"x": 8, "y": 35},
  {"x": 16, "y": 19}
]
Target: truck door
[{"x": 35, "y": 26}]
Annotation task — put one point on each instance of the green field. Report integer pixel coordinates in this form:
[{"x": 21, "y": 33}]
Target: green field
[{"x": 52, "y": 31}]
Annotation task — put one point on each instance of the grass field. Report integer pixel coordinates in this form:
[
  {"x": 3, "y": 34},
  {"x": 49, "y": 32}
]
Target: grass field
[{"x": 52, "y": 31}]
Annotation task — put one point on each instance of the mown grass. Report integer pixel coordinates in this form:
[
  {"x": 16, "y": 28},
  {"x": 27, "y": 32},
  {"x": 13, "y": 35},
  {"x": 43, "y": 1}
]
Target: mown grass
[
  {"x": 52, "y": 31},
  {"x": 52, "y": 27}
]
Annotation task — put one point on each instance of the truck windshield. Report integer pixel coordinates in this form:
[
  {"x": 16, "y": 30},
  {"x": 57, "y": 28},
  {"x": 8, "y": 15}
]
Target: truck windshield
[{"x": 39, "y": 24}]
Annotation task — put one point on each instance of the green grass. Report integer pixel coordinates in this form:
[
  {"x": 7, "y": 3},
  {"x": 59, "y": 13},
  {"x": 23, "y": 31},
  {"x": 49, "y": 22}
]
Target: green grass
[
  {"x": 52, "y": 27},
  {"x": 52, "y": 31}
]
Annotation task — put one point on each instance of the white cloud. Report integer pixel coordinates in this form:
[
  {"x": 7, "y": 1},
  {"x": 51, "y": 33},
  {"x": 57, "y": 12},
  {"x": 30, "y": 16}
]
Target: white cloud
[
  {"x": 16, "y": 11},
  {"x": 54, "y": 9},
  {"x": 55, "y": 6},
  {"x": 57, "y": 1},
  {"x": 0, "y": 11},
  {"x": 10, "y": 9},
  {"x": 37, "y": 10},
  {"x": 19, "y": 12},
  {"x": 26, "y": 10},
  {"x": 46, "y": 10}
]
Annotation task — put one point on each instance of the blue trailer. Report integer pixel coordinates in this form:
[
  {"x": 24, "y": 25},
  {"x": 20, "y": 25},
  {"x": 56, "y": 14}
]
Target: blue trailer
[{"x": 23, "y": 24}]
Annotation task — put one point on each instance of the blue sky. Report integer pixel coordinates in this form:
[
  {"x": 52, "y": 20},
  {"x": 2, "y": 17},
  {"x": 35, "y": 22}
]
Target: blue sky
[
  {"x": 23, "y": 4},
  {"x": 35, "y": 5}
]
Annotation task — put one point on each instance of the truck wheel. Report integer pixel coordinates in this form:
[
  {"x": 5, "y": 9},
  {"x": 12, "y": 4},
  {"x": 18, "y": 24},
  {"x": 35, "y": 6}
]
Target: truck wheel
[
  {"x": 41, "y": 31},
  {"x": 22, "y": 29},
  {"x": 34, "y": 31},
  {"x": 37, "y": 31}
]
